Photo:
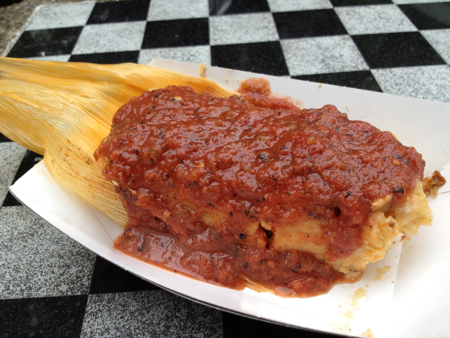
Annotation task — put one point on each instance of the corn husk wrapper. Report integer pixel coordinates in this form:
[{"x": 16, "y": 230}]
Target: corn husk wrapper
[{"x": 64, "y": 110}]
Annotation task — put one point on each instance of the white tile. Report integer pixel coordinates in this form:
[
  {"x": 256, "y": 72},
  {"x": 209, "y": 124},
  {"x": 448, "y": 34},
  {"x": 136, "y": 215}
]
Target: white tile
[
  {"x": 318, "y": 55},
  {"x": 38, "y": 260},
  {"x": 427, "y": 82},
  {"x": 149, "y": 314},
  {"x": 11, "y": 155},
  {"x": 62, "y": 58},
  {"x": 374, "y": 19},
  {"x": 197, "y": 54},
  {"x": 177, "y": 9},
  {"x": 401, "y": 2},
  {"x": 298, "y": 5},
  {"x": 242, "y": 28},
  {"x": 110, "y": 37},
  {"x": 440, "y": 40},
  {"x": 60, "y": 16}
]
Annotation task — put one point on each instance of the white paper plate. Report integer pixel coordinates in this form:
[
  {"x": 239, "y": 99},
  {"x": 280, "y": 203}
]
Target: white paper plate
[{"x": 411, "y": 303}]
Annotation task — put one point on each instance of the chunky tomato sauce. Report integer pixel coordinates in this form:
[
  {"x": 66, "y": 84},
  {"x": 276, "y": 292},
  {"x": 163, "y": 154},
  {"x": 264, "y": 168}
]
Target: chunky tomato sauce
[{"x": 199, "y": 175}]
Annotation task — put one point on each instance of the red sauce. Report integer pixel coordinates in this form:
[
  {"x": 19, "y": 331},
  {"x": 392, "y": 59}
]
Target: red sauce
[{"x": 177, "y": 155}]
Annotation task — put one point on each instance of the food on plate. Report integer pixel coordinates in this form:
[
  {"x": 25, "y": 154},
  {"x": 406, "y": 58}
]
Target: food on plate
[
  {"x": 253, "y": 189},
  {"x": 432, "y": 183},
  {"x": 245, "y": 190}
]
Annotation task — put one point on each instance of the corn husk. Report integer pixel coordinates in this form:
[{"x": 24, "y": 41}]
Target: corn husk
[{"x": 64, "y": 110}]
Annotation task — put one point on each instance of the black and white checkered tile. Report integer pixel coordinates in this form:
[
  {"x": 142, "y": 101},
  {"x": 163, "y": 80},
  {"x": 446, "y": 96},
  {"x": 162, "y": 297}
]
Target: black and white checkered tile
[{"x": 51, "y": 286}]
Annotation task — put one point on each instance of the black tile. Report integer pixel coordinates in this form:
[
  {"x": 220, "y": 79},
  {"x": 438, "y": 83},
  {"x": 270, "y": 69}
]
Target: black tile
[
  {"x": 221, "y": 7},
  {"x": 6, "y": 3},
  {"x": 42, "y": 317},
  {"x": 107, "y": 58},
  {"x": 308, "y": 23},
  {"x": 360, "y": 79},
  {"x": 29, "y": 161},
  {"x": 10, "y": 201},
  {"x": 46, "y": 42},
  {"x": 264, "y": 57},
  {"x": 428, "y": 16},
  {"x": 3, "y": 138},
  {"x": 396, "y": 50},
  {"x": 119, "y": 11},
  {"x": 108, "y": 278},
  {"x": 359, "y": 2},
  {"x": 240, "y": 327},
  {"x": 176, "y": 33}
]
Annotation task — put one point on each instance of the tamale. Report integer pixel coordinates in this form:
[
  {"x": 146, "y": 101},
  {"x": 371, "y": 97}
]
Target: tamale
[{"x": 68, "y": 110}]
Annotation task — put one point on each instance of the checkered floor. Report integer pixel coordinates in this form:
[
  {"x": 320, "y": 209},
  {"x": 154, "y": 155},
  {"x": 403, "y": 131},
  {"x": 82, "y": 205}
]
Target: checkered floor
[{"x": 51, "y": 286}]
